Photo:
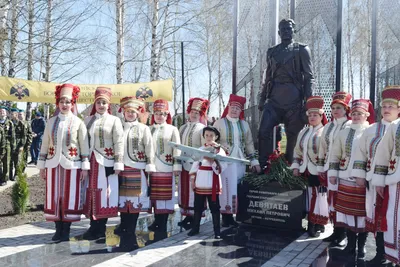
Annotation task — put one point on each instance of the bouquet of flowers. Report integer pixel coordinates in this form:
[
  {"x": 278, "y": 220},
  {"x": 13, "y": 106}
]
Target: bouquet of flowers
[{"x": 278, "y": 170}]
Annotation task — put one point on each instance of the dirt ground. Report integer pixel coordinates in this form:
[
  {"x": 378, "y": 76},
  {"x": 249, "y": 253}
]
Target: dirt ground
[{"x": 36, "y": 200}]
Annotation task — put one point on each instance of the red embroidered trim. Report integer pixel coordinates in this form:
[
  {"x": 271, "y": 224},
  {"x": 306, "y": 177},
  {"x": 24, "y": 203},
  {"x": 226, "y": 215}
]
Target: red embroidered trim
[
  {"x": 73, "y": 151},
  {"x": 140, "y": 155},
  {"x": 318, "y": 219},
  {"x": 168, "y": 158},
  {"x": 109, "y": 152}
]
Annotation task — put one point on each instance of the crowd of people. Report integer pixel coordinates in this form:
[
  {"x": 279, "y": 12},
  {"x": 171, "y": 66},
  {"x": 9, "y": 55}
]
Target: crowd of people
[
  {"x": 17, "y": 138},
  {"x": 350, "y": 164},
  {"x": 105, "y": 165}
]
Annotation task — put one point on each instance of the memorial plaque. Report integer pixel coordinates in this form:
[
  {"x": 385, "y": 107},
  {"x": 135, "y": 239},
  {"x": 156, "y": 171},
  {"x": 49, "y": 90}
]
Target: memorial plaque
[{"x": 271, "y": 206}]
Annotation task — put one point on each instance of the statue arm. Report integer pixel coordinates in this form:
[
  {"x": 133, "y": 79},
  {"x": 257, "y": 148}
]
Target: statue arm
[
  {"x": 266, "y": 78},
  {"x": 307, "y": 71}
]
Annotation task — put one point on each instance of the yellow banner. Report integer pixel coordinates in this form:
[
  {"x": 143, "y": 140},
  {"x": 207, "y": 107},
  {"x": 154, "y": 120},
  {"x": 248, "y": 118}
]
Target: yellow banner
[{"x": 19, "y": 90}]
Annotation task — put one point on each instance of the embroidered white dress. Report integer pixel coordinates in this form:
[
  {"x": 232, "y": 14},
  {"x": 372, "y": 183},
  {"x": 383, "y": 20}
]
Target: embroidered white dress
[
  {"x": 106, "y": 155},
  {"x": 64, "y": 152},
  {"x": 305, "y": 159},
  {"x": 237, "y": 139},
  {"x": 138, "y": 158},
  {"x": 162, "y": 182},
  {"x": 364, "y": 164},
  {"x": 386, "y": 172},
  {"x": 191, "y": 135},
  {"x": 329, "y": 134},
  {"x": 350, "y": 202}
]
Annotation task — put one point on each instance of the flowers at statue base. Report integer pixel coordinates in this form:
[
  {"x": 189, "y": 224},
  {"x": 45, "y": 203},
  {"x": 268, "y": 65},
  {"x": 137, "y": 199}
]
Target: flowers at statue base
[{"x": 277, "y": 169}]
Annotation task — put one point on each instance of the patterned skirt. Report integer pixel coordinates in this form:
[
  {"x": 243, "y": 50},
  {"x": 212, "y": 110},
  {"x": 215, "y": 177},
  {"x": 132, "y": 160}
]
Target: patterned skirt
[{"x": 161, "y": 186}]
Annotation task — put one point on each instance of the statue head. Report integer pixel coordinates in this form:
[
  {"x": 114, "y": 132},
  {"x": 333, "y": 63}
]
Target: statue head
[{"x": 286, "y": 29}]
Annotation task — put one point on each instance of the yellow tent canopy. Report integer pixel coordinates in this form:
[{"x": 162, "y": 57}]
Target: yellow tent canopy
[{"x": 19, "y": 90}]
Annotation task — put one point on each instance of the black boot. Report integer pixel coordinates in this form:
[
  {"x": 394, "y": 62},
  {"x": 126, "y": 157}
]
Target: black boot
[
  {"x": 341, "y": 236},
  {"x": 320, "y": 228},
  {"x": 196, "y": 224},
  {"x": 65, "y": 231},
  {"x": 333, "y": 236},
  {"x": 186, "y": 222},
  {"x": 225, "y": 220},
  {"x": 102, "y": 226},
  {"x": 122, "y": 225},
  {"x": 216, "y": 224},
  {"x": 163, "y": 221},
  {"x": 379, "y": 258},
  {"x": 232, "y": 221},
  {"x": 57, "y": 236},
  {"x": 153, "y": 227},
  {"x": 90, "y": 234},
  {"x": 361, "y": 239},
  {"x": 350, "y": 249},
  {"x": 312, "y": 232},
  {"x": 128, "y": 240}
]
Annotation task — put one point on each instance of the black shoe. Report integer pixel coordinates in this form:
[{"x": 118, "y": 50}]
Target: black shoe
[
  {"x": 66, "y": 226},
  {"x": 57, "y": 236},
  {"x": 90, "y": 234},
  {"x": 330, "y": 238},
  {"x": 216, "y": 224},
  {"x": 3, "y": 183},
  {"x": 193, "y": 232},
  {"x": 320, "y": 228},
  {"x": 186, "y": 222},
  {"x": 13, "y": 178},
  {"x": 361, "y": 240},
  {"x": 128, "y": 243},
  {"x": 312, "y": 232},
  {"x": 31, "y": 162},
  {"x": 350, "y": 249},
  {"x": 118, "y": 230},
  {"x": 196, "y": 224}
]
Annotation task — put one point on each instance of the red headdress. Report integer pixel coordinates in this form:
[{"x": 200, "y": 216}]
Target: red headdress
[
  {"x": 316, "y": 104},
  {"x": 235, "y": 100},
  {"x": 201, "y": 105},
  {"x": 68, "y": 91},
  {"x": 132, "y": 103},
  {"x": 102, "y": 92},
  {"x": 364, "y": 105},
  {"x": 391, "y": 93},
  {"x": 343, "y": 99},
  {"x": 161, "y": 105}
]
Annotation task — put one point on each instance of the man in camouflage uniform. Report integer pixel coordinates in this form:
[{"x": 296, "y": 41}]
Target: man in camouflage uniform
[
  {"x": 20, "y": 140},
  {"x": 21, "y": 117},
  {"x": 2, "y": 149},
  {"x": 9, "y": 134}
]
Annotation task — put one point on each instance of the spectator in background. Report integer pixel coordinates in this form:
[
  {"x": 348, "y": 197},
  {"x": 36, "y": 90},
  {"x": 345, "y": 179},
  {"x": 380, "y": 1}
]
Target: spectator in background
[
  {"x": 38, "y": 125},
  {"x": 213, "y": 121}
]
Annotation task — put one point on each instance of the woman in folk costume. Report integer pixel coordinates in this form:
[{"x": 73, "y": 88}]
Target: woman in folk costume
[
  {"x": 162, "y": 182},
  {"x": 305, "y": 163},
  {"x": 237, "y": 139},
  {"x": 350, "y": 202},
  {"x": 364, "y": 163},
  {"x": 138, "y": 159},
  {"x": 340, "y": 110},
  {"x": 64, "y": 163},
  {"x": 386, "y": 179},
  {"x": 206, "y": 181},
  {"x": 106, "y": 161},
  {"x": 191, "y": 135}
]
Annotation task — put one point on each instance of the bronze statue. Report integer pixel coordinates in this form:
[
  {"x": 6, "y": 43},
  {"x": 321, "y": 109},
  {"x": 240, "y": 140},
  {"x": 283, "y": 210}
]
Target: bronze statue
[{"x": 286, "y": 84}]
